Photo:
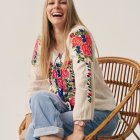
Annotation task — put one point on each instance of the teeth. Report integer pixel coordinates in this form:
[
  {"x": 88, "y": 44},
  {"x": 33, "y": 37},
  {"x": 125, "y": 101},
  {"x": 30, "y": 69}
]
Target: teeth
[{"x": 57, "y": 14}]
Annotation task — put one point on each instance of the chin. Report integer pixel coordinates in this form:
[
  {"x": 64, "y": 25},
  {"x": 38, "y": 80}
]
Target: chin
[{"x": 58, "y": 23}]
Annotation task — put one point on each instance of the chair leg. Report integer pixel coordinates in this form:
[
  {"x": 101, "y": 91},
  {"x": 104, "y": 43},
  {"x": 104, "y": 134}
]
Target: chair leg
[{"x": 136, "y": 135}]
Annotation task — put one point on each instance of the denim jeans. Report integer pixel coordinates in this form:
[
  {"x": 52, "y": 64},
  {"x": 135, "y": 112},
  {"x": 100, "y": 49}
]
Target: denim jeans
[{"x": 50, "y": 115}]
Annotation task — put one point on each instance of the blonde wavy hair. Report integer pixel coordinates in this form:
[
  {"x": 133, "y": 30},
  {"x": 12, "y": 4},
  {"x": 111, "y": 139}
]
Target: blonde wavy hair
[{"x": 48, "y": 39}]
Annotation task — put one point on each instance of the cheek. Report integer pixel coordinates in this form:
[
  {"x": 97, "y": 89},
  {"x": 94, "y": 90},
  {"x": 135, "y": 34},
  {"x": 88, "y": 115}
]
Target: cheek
[
  {"x": 48, "y": 12},
  {"x": 66, "y": 10}
]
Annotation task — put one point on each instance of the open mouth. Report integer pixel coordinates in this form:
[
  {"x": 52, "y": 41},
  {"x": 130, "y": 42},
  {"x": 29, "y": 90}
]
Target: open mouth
[{"x": 57, "y": 14}]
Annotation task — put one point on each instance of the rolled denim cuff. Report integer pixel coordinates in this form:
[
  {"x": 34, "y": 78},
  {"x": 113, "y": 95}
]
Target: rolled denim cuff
[{"x": 51, "y": 130}]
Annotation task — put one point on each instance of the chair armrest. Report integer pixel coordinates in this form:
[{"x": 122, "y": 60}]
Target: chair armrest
[
  {"x": 113, "y": 113},
  {"x": 22, "y": 126}
]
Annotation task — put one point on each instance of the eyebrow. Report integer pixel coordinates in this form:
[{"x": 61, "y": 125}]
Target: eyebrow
[
  {"x": 50, "y": 0},
  {"x": 59, "y": 0}
]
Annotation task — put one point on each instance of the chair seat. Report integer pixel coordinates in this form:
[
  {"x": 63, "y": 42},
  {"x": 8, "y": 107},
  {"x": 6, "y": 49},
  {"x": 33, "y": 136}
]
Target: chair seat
[{"x": 122, "y": 75}]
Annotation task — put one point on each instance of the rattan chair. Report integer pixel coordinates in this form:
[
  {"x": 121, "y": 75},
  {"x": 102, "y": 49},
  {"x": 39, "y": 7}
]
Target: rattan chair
[{"x": 122, "y": 75}]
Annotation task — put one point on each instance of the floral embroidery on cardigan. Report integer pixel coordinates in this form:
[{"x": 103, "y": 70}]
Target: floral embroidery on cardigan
[
  {"x": 35, "y": 52},
  {"x": 82, "y": 44},
  {"x": 89, "y": 94},
  {"x": 64, "y": 80}
]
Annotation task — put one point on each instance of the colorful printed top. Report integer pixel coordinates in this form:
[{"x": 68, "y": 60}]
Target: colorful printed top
[{"x": 79, "y": 83}]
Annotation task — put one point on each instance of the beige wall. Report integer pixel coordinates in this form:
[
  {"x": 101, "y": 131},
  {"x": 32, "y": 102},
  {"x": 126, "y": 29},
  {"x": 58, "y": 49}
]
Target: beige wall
[{"x": 114, "y": 24}]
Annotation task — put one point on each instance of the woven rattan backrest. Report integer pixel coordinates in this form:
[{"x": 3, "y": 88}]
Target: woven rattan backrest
[{"x": 121, "y": 75}]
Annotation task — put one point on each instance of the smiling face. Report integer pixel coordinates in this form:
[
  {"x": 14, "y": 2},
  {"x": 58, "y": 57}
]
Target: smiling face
[{"x": 57, "y": 12}]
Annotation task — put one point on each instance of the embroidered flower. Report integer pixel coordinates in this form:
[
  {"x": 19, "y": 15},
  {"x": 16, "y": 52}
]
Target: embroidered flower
[
  {"x": 65, "y": 73},
  {"x": 89, "y": 74},
  {"x": 68, "y": 63},
  {"x": 82, "y": 44},
  {"x": 50, "y": 73},
  {"x": 72, "y": 35},
  {"x": 64, "y": 86},
  {"x": 88, "y": 38},
  {"x": 55, "y": 73},
  {"x": 72, "y": 101},
  {"x": 89, "y": 84},
  {"x": 86, "y": 49},
  {"x": 89, "y": 94},
  {"x": 51, "y": 64},
  {"x": 77, "y": 41},
  {"x": 35, "y": 52},
  {"x": 60, "y": 82}
]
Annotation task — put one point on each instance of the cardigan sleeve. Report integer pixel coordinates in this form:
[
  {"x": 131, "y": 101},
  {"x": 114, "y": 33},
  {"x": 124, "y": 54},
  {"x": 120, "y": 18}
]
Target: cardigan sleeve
[
  {"x": 35, "y": 83},
  {"x": 80, "y": 45}
]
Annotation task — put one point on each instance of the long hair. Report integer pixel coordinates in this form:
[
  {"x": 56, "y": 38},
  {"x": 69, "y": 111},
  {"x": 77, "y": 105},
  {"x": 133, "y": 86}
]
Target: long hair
[{"x": 48, "y": 36}]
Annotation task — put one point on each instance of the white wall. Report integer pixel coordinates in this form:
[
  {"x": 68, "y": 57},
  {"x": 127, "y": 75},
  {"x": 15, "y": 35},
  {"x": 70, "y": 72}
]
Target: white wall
[{"x": 114, "y": 24}]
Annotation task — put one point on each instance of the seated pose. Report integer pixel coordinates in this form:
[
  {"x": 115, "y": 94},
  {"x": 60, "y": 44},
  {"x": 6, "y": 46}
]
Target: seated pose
[{"x": 67, "y": 97}]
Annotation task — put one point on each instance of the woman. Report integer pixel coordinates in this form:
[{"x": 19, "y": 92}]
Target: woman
[{"x": 67, "y": 98}]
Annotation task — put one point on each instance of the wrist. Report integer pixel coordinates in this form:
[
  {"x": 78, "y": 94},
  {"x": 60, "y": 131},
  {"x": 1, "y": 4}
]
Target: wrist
[{"x": 80, "y": 123}]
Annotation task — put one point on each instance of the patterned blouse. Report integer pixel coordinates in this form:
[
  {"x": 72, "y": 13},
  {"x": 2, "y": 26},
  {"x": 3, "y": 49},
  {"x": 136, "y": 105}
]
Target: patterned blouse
[{"x": 75, "y": 82}]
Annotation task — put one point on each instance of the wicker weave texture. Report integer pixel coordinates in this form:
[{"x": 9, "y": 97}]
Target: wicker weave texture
[{"x": 122, "y": 75}]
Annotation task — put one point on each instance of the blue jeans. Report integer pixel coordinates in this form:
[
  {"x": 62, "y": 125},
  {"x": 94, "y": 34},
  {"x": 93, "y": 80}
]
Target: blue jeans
[{"x": 50, "y": 115}]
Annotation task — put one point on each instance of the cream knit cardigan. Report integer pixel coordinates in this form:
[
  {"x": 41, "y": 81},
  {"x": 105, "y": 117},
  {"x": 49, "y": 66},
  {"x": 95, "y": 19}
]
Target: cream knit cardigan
[{"x": 101, "y": 98}]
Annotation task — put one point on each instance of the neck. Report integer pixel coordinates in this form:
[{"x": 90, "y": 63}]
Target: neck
[{"x": 59, "y": 36}]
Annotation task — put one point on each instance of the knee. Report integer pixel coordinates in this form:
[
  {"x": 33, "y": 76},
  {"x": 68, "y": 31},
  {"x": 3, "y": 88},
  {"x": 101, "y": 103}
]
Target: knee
[
  {"x": 67, "y": 118},
  {"x": 39, "y": 97}
]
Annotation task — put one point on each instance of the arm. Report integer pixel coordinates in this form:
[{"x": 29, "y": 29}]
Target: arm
[
  {"x": 36, "y": 82},
  {"x": 82, "y": 54},
  {"x": 81, "y": 46}
]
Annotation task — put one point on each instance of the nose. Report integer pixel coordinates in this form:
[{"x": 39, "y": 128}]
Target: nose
[{"x": 56, "y": 5}]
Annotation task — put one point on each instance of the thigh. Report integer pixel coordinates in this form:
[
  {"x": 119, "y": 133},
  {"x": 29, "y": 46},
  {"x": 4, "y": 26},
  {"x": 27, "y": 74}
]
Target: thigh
[{"x": 45, "y": 98}]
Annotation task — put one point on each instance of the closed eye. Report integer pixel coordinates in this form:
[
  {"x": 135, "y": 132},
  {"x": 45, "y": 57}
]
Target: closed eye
[
  {"x": 64, "y": 2},
  {"x": 61, "y": 2},
  {"x": 50, "y": 3}
]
